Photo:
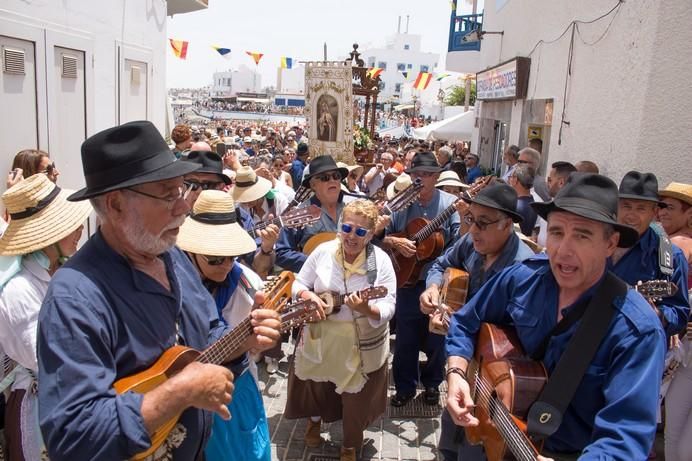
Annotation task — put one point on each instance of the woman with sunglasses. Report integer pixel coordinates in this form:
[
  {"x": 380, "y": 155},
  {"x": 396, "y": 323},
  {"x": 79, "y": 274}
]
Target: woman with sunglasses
[
  {"x": 340, "y": 367},
  {"x": 212, "y": 239}
]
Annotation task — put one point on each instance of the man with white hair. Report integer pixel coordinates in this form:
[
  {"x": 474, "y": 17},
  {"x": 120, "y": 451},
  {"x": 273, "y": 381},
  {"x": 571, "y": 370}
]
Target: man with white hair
[{"x": 540, "y": 187}]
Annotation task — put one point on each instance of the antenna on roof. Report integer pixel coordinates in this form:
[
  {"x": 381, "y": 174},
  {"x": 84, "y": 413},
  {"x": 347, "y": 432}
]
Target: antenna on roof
[
  {"x": 407, "y": 18},
  {"x": 398, "y": 28}
]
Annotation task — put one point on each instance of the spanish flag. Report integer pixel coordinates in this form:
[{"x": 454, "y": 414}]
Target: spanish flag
[
  {"x": 179, "y": 48},
  {"x": 286, "y": 62},
  {"x": 225, "y": 52},
  {"x": 374, "y": 72},
  {"x": 422, "y": 81},
  {"x": 255, "y": 56}
]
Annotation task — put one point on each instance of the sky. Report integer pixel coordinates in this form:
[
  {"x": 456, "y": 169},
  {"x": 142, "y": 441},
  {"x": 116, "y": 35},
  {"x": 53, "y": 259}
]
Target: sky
[{"x": 295, "y": 28}]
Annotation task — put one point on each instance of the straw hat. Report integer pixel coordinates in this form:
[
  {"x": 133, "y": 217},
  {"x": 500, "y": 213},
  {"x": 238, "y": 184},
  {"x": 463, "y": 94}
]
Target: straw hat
[
  {"x": 450, "y": 178},
  {"x": 248, "y": 186},
  {"x": 678, "y": 190},
  {"x": 212, "y": 228},
  {"x": 401, "y": 183},
  {"x": 351, "y": 168},
  {"x": 41, "y": 215}
]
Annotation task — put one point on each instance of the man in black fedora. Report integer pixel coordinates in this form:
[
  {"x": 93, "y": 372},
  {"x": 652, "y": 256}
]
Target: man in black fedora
[
  {"x": 612, "y": 367},
  {"x": 412, "y": 333},
  {"x": 324, "y": 178},
  {"x": 488, "y": 247},
  {"x": 123, "y": 299},
  {"x": 653, "y": 256}
]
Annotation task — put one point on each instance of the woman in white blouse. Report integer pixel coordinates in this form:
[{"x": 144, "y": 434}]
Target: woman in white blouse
[{"x": 340, "y": 365}]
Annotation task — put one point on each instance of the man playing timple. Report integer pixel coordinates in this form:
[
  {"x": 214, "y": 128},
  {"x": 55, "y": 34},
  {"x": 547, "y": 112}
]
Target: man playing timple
[
  {"x": 325, "y": 180},
  {"x": 489, "y": 246},
  {"x": 612, "y": 414},
  {"x": 126, "y": 297},
  {"x": 637, "y": 208}
]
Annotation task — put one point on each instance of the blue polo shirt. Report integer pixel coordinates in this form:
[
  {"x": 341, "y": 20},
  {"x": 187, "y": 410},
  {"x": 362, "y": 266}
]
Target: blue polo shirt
[
  {"x": 103, "y": 320},
  {"x": 613, "y": 412},
  {"x": 640, "y": 263}
]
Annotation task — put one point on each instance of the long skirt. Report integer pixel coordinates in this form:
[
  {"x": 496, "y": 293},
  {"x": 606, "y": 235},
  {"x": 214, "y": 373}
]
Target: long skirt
[
  {"x": 245, "y": 437},
  {"x": 357, "y": 410}
]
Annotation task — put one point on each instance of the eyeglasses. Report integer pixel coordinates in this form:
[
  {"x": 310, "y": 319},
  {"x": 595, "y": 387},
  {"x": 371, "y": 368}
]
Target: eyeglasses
[
  {"x": 523, "y": 162},
  {"x": 360, "y": 231},
  {"x": 336, "y": 176},
  {"x": 183, "y": 192},
  {"x": 193, "y": 185},
  {"x": 481, "y": 225},
  {"x": 49, "y": 169},
  {"x": 217, "y": 260}
]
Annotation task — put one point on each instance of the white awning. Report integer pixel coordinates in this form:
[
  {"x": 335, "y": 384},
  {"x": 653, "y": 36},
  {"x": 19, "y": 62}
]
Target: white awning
[{"x": 403, "y": 106}]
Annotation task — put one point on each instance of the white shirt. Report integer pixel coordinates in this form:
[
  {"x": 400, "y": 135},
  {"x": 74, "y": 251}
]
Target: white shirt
[
  {"x": 321, "y": 272},
  {"x": 20, "y": 303},
  {"x": 541, "y": 223},
  {"x": 280, "y": 204}
]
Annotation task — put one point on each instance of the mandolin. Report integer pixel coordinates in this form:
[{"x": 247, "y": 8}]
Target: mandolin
[
  {"x": 403, "y": 199},
  {"x": 455, "y": 287},
  {"x": 295, "y": 218},
  {"x": 335, "y": 300},
  {"x": 174, "y": 359},
  {"x": 428, "y": 239}
]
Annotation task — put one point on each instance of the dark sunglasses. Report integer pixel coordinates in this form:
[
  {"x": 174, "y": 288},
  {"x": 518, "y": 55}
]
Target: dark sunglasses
[
  {"x": 481, "y": 225},
  {"x": 336, "y": 176},
  {"x": 49, "y": 168},
  {"x": 360, "y": 231},
  {"x": 216, "y": 260},
  {"x": 203, "y": 185}
]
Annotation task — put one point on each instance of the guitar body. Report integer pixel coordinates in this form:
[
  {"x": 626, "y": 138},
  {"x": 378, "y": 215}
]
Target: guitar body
[
  {"x": 169, "y": 364},
  {"x": 316, "y": 240},
  {"x": 516, "y": 380},
  {"x": 408, "y": 269},
  {"x": 455, "y": 288}
]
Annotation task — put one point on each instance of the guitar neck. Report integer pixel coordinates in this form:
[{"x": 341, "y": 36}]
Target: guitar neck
[
  {"x": 223, "y": 350},
  {"x": 262, "y": 225},
  {"x": 435, "y": 224}
]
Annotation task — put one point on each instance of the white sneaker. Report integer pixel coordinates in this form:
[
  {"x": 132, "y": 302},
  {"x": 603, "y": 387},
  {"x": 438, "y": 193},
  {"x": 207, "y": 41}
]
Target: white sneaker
[{"x": 272, "y": 365}]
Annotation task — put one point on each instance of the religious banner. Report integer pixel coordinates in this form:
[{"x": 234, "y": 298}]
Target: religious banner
[{"x": 329, "y": 109}]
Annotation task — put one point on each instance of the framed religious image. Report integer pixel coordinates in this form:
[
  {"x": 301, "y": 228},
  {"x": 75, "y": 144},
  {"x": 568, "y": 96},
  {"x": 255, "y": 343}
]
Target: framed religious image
[{"x": 329, "y": 109}]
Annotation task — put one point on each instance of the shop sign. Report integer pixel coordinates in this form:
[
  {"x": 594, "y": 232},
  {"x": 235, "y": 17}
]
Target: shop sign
[{"x": 508, "y": 80}]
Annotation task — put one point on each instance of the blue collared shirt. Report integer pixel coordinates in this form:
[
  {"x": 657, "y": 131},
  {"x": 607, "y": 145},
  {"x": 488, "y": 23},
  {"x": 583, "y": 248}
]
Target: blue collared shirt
[
  {"x": 613, "y": 412},
  {"x": 473, "y": 173},
  {"x": 103, "y": 320},
  {"x": 462, "y": 255},
  {"x": 297, "y": 168},
  {"x": 640, "y": 263}
]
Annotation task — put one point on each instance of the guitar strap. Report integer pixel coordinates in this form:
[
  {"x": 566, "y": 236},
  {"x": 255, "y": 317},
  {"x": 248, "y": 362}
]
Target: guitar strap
[
  {"x": 665, "y": 250},
  {"x": 370, "y": 264},
  {"x": 545, "y": 415}
]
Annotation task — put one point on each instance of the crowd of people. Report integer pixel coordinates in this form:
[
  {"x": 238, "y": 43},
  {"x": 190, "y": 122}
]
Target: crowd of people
[{"x": 146, "y": 340}]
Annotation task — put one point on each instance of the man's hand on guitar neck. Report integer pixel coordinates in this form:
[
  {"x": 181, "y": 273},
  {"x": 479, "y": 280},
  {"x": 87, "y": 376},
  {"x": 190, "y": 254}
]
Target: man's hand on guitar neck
[
  {"x": 459, "y": 402},
  {"x": 403, "y": 245}
]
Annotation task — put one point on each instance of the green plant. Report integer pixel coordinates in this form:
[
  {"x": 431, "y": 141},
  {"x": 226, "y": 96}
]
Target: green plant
[
  {"x": 457, "y": 95},
  {"x": 361, "y": 138}
]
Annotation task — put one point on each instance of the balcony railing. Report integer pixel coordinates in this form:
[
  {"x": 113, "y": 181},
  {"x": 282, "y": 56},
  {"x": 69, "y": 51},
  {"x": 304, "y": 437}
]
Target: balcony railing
[{"x": 460, "y": 26}]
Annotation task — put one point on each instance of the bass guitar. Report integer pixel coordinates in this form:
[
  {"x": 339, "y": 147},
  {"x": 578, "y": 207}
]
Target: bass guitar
[
  {"x": 402, "y": 200},
  {"x": 334, "y": 300},
  {"x": 427, "y": 238},
  {"x": 295, "y": 218},
  {"x": 455, "y": 288},
  {"x": 177, "y": 357}
]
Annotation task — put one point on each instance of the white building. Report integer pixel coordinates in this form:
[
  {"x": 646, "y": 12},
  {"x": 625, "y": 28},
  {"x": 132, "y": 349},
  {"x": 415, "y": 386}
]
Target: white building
[
  {"x": 242, "y": 80},
  {"x": 291, "y": 81},
  {"x": 401, "y": 53},
  {"x": 623, "y": 101}
]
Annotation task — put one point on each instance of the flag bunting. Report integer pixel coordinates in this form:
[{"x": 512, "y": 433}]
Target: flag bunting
[
  {"x": 374, "y": 72},
  {"x": 225, "y": 52},
  {"x": 422, "y": 81},
  {"x": 255, "y": 56},
  {"x": 441, "y": 76},
  {"x": 286, "y": 62},
  {"x": 179, "y": 48},
  {"x": 405, "y": 74}
]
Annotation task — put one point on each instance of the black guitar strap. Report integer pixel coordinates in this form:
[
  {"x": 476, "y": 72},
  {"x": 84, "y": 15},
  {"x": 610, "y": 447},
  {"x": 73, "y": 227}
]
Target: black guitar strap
[{"x": 545, "y": 415}]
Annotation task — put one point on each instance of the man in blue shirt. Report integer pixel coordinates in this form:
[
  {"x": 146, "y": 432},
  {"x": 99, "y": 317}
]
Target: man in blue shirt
[
  {"x": 412, "y": 333},
  {"x": 299, "y": 164},
  {"x": 126, "y": 297},
  {"x": 637, "y": 208},
  {"x": 613, "y": 412},
  {"x": 489, "y": 246},
  {"x": 473, "y": 170}
]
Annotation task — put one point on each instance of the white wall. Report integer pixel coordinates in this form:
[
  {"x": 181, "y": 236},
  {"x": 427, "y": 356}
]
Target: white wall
[
  {"x": 292, "y": 80},
  {"x": 628, "y": 101}
]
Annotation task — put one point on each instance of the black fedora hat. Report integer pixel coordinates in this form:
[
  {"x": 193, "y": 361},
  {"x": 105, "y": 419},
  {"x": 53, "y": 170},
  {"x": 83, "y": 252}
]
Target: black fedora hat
[
  {"x": 591, "y": 196},
  {"x": 127, "y": 155},
  {"x": 424, "y": 161},
  {"x": 499, "y": 196},
  {"x": 320, "y": 165},
  {"x": 210, "y": 163},
  {"x": 640, "y": 186},
  {"x": 302, "y": 149}
]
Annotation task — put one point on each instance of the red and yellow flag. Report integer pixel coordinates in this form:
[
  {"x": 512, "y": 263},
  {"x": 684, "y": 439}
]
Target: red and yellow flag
[
  {"x": 255, "y": 56},
  {"x": 179, "y": 48},
  {"x": 422, "y": 81},
  {"x": 374, "y": 72}
]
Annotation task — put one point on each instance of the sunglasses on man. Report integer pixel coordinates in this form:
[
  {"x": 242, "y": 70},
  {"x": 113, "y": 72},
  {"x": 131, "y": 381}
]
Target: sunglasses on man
[
  {"x": 194, "y": 186},
  {"x": 336, "y": 176}
]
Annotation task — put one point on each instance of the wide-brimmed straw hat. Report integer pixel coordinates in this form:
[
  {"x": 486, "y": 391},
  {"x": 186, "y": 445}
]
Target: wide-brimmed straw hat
[
  {"x": 248, "y": 186},
  {"x": 127, "y": 155},
  {"x": 678, "y": 190},
  {"x": 450, "y": 178},
  {"x": 40, "y": 215},
  {"x": 402, "y": 182},
  {"x": 591, "y": 196},
  {"x": 213, "y": 229},
  {"x": 351, "y": 168}
]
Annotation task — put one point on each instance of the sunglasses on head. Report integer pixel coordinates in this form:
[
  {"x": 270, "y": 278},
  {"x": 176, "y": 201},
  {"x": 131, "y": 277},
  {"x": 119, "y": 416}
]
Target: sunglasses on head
[
  {"x": 216, "y": 260},
  {"x": 360, "y": 231},
  {"x": 336, "y": 176}
]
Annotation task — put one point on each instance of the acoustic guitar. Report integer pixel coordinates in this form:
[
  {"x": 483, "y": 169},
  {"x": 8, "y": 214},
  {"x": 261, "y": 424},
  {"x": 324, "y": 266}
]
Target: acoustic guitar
[
  {"x": 427, "y": 238},
  {"x": 334, "y": 300},
  {"x": 177, "y": 357},
  {"x": 455, "y": 288},
  {"x": 403, "y": 199},
  {"x": 303, "y": 193},
  {"x": 295, "y": 218}
]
